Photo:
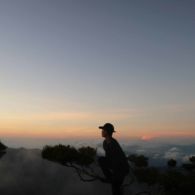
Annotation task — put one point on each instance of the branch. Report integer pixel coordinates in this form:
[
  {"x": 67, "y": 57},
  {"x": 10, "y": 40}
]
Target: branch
[
  {"x": 92, "y": 176},
  {"x": 80, "y": 171}
]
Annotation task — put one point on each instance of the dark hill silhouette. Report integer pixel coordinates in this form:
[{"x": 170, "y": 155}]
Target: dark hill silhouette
[
  {"x": 2, "y": 146},
  {"x": 2, "y": 149}
]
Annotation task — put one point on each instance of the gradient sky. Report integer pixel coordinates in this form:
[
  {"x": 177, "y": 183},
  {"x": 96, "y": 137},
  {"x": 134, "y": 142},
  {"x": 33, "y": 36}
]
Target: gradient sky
[{"x": 67, "y": 67}]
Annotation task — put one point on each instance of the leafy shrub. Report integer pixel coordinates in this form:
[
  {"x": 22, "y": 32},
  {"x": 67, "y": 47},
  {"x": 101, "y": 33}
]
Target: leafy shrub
[
  {"x": 86, "y": 156},
  {"x": 67, "y": 154},
  {"x": 192, "y": 159},
  {"x": 138, "y": 160},
  {"x": 172, "y": 163},
  {"x": 148, "y": 175}
]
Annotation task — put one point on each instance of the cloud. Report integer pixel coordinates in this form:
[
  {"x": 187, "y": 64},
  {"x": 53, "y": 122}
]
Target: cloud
[
  {"x": 186, "y": 158},
  {"x": 25, "y": 172},
  {"x": 173, "y": 153}
]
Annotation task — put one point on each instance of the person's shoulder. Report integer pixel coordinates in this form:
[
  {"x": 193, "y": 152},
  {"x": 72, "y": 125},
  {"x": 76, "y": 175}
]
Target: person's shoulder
[{"x": 114, "y": 141}]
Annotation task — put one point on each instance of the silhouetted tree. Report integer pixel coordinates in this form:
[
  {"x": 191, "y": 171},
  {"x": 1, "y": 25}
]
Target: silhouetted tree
[
  {"x": 83, "y": 161},
  {"x": 178, "y": 183},
  {"x": 138, "y": 160},
  {"x": 172, "y": 163},
  {"x": 192, "y": 159},
  {"x": 190, "y": 166},
  {"x": 149, "y": 175},
  {"x": 168, "y": 182},
  {"x": 79, "y": 159}
]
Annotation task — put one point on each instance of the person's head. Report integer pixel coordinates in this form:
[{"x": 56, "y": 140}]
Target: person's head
[{"x": 107, "y": 130}]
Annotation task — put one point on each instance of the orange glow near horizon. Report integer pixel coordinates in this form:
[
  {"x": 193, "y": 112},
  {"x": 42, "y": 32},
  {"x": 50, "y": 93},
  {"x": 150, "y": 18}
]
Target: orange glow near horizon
[
  {"x": 168, "y": 135},
  {"x": 89, "y": 133},
  {"x": 147, "y": 138},
  {"x": 85, "y": 125}
]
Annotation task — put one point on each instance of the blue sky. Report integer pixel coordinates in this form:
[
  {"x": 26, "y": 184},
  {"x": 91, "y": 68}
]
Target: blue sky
[{"x": 128, "y": 62}]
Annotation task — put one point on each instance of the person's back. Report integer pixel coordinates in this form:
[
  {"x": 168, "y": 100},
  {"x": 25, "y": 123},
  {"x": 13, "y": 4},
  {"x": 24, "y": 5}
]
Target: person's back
[{"x": 115, "y": 156}]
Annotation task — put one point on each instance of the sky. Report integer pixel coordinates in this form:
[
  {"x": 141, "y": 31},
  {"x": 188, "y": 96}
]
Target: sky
[{"x": 67, "y": 67}]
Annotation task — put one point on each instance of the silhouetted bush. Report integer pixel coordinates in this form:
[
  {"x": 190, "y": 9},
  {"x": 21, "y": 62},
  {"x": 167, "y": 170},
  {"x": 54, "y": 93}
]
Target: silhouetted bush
[
  {"x": 148, "y": 175},
  {"x": 86, "y": 156},
  {"x": 192, "y": 159},
  {"x": 177, "y": 183},
  {"x": 60, "y": 153},
  {"x": 172, "y": 163},
  {"x": 189, "y": 166},
  {"x": 138, "y": 160},
  {"x": 169, "y": 181},
  {"x": 187, "y": 186},
  {"x": 80, "y": 159},
  {"x": 67, "y": 154}
]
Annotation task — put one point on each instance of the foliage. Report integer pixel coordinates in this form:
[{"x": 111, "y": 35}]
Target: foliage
[
  {"x": 86, "y": 156},
  {"x": 192, "y": 159},
  {"x": 79, "y": 159},
  {"x": 188, "y": 166},
  {"x": 177, "y": 183},
  {"x": 149, "y": 175},
  {"x": 171, "y": 180},
  {"x": 172, "y": 163},
  {"x": 138, "y": 160},
  {"x": 67, "y": 154},
  {"x": 60, "y": 153},
  {"x": 168, "y": 181}
]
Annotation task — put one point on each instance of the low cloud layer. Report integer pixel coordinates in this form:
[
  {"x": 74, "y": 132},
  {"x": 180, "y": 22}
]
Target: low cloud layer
[
  {"x": 159, "y": 154},
  {"x": 24, "y": 172},
  {"x": 173, "y": 153}
]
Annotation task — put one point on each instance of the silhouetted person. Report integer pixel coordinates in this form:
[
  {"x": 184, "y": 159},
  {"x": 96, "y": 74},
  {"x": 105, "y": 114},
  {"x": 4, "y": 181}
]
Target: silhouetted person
[{"x": 114, "y": 165}]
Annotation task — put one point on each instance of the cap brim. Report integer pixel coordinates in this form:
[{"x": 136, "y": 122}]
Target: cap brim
[{"x": 102, "y": 127}]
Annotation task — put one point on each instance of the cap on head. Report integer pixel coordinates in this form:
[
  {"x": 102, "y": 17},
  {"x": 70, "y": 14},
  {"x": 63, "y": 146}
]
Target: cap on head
[{"x": 108, "y": 127}]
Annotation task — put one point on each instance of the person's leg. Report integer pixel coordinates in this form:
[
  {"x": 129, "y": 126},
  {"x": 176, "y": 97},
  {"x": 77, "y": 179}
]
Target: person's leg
[
  {"x": 117, "y": 181},
  {"x": 105, "y": 168},
  {"x": 116, "y": 189}
]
